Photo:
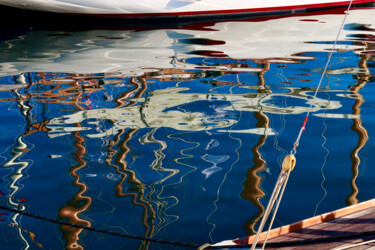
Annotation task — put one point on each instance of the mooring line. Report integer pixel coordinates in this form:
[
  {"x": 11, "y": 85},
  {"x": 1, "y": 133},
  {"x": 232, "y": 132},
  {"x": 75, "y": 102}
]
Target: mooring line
[{"x": 175, "y": 243}]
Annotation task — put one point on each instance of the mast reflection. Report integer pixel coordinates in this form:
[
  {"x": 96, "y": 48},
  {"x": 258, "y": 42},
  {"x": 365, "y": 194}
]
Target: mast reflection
[
  {"x": 363, "y": 77},
  {"x": 79, "y": 203},
  {"x": 120, "y": 141},
  {"x": 252, "y": 190}
]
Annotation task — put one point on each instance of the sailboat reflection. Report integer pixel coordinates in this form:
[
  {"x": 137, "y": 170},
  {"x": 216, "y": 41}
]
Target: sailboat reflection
[
  {"x": 159, "y": 109},
  {"x": 169, "y": 108}
]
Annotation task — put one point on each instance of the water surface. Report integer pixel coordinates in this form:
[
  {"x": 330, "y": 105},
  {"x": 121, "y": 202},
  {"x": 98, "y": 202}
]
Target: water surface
[{"x": 178, "y": 132}]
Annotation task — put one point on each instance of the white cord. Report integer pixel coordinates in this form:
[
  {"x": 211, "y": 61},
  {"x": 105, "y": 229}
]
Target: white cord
[{"x": 296, "y": 143}]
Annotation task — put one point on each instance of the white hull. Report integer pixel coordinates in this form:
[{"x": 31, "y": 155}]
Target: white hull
[{"x": 155, "y": 8}]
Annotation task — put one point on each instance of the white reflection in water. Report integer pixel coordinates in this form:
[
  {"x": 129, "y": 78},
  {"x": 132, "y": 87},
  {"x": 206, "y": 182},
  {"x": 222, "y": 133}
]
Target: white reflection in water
[
  {"x": 134, "y": 53},
  {"x": 162, "y": 110},
  {"x": 215, "y": 160}
]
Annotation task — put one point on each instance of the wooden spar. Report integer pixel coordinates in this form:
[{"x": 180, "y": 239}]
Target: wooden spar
[{"x": 310, "y": 222}]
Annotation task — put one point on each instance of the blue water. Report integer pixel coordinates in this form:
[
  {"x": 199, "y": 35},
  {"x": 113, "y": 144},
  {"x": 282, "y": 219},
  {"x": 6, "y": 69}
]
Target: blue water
[{"x": 178, "y": 133}]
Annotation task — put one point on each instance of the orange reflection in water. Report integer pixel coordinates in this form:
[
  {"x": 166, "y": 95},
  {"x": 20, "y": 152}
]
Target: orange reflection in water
[
  {"x": 116, "y": 159},
  {"x": 363, "y": 77},
  {"x": 79, "y": 203},
  {"x": 252, "y": 186}
]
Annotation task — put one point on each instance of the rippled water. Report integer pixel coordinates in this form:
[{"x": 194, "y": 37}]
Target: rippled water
[{"x": 178, "y": 132}]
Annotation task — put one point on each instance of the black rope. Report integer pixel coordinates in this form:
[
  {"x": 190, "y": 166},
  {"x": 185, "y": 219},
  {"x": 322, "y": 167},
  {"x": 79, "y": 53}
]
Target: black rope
[
  {"x": 98, "y": 230},
  {"x": 175, "y": 243}
]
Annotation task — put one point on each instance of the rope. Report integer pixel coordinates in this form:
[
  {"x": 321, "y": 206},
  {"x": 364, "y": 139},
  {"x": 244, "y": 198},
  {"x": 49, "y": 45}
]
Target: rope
[
  {"x": 98, "y": 230},
  {"x": 284, "y": 175},
  {"x": 275, "y": 193},
  {"x": 296, "y": 143},
  {"x": 276, "y": 208}
]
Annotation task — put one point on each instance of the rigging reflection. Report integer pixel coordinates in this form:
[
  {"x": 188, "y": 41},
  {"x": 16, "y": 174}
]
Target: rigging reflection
[
  {"x": 252, "y": 190},
  {"x": 363, "y": 78},
  {"x": 118, "y": 151},
  {"x": 19, "y": 168},
  {"x": 67, "y": 91},
  {"x": 79, "y": 203}
]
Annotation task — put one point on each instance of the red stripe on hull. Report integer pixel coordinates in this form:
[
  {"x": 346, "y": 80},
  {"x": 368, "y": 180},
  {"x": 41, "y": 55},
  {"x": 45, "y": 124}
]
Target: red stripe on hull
[{"x": 234, "y": 11}]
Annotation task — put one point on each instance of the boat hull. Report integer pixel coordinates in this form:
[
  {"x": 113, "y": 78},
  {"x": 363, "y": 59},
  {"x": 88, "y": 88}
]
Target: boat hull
[{"x": 173, "y": 8}]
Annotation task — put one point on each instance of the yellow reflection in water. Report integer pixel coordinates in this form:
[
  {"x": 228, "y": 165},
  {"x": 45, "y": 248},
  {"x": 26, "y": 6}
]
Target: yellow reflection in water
[
  {"x": 363, "y": 78},
  {"x": 252, "y": 186}
]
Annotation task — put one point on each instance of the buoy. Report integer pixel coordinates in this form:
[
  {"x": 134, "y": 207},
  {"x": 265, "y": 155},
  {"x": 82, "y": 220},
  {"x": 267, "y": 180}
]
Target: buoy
[{"x": 288, "y": 163}]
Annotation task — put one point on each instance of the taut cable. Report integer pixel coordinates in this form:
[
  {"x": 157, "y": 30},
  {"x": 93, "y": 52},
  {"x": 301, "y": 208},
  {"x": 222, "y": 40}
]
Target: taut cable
[{"x": 296, "y": 143}]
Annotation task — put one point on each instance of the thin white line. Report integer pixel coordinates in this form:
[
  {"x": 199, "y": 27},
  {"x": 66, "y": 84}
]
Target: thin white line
[{"x": 296, "y": 143}]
